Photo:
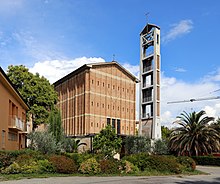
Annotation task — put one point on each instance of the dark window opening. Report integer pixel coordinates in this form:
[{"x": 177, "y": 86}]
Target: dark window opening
[{"x": 108, "y": 121}]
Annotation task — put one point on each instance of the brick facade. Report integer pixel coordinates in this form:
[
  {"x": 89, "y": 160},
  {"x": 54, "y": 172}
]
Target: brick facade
[{"x": 96, "y": 95}]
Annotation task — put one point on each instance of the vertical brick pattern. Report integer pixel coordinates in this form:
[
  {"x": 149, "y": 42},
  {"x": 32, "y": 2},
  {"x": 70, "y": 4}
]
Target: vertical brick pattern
[{"x": 88, "y": 98}]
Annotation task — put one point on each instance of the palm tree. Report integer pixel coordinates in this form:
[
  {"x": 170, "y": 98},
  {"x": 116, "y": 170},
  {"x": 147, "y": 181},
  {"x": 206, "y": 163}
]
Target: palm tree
[
  {"x": 194, "y": 136},
  {"x": 216, "y": 125},
  {"x": 72, "y": 145}
]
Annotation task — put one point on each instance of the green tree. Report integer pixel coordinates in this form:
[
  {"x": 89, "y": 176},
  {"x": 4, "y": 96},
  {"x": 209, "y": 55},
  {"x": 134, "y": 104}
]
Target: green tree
[
  {"x": 55, "y": 125},
  {"x": 107, "y": 142},
  {"x": 194, "y": 136},
  {"x": 71, "y": 145},
  {"x": 165, "y": 131},
  {"x": 35, "y": 90},
  {"x": 160, "y": 147},
  {"x": 43, "y": 142},
  {"x": 137, "y": 144}
]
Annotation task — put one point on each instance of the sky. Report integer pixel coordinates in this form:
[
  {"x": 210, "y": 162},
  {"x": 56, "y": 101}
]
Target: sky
[{"x": 54, "y": 37}]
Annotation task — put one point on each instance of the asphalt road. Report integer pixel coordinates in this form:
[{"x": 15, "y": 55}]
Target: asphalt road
[{"x": 212, "y": 178}]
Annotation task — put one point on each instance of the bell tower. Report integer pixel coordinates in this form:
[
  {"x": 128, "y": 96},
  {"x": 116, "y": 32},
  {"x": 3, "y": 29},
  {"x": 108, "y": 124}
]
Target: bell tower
[{"x": 150, "y": 82}]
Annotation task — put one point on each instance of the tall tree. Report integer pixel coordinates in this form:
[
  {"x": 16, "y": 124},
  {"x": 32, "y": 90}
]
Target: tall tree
[
  {"x": 35, "y": 90},
  {"x": 55, "y": 125},
  {"x": 194, "y": 136},
  {"x": 107, "y": 142},
  {"x": 216, "y": 125},
  {"x": 165, "y": 132}
]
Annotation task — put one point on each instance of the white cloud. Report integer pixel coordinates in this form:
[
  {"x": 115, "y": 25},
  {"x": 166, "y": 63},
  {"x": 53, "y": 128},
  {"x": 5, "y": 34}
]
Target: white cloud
[
  {"x": 179, "y": 29},
  {"x": 214, "y": 76},
  {"x": 176, "y": 90},
  {"x": 171, "y": 88},
  {"x": 134, "y": 69},
  {"x": 56, "y": 69},
  {"x": 37, "y": 49},
  {"x": 180, "y": 70}
]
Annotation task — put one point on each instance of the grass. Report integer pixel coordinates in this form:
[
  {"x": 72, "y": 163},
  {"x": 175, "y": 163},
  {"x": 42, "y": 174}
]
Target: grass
[{"x": 5, "y": 177}]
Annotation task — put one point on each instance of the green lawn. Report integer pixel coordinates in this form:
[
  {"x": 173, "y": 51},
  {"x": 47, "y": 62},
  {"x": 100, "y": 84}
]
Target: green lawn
[{"x": 4, "y": 177}]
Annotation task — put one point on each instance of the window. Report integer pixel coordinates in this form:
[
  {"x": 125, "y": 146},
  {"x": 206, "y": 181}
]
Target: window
[
  {"x": 113, "y": 107},
  {"x": 118, "y": 108},
  {"x": 108, "y": 106},
  {"x": 98, "y": 83},
  {"x": 123, "y": 108},
  {"x": 103, "y": 84},
  {"x": 92, "y": 81},
  {"x": 123, "y": 89},
  {"x": 108, "y": 85},
  {"x": 118, "y": 126},
  {"x": 12, "y": 136},
  {"x": 91, "y": 124},
  {"x": 97, "y": 125},
  {"x": 103, "y": 106},
  {"x": 118, "y": 88},
  {"x": 158, "y": 38},
  {"x": 113, "y": 87},
  {"x": 92, "y": 103},
  {"x": 97, "y": 104},
  {"x": 3, "y": 138},
  {"x": 113, "y": 123},
  {"x": 108, "y": 121}
]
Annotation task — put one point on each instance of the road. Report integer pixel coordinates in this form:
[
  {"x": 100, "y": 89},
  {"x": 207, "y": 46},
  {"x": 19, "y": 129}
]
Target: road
[{"x": 212, "y": 178}]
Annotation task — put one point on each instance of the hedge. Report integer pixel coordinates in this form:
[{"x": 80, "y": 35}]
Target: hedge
[{"x": 207, "y": 160}]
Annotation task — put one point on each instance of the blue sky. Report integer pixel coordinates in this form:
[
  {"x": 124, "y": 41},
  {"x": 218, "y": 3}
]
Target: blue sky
[{"x": 47, "y": 35}]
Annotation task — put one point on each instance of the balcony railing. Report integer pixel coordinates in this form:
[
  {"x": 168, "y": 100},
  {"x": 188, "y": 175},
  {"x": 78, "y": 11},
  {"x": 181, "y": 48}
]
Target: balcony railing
[
  {"x": 147, "y": 99},
  {"x": 147, "y": 68},
  {"x": 17, "y": 123}
]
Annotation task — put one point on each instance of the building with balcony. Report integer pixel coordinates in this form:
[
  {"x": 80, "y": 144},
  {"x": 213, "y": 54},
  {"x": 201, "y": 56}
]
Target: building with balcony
[
  {"x": 13, "y": 124},
  {"x": 96, "y": 95}
]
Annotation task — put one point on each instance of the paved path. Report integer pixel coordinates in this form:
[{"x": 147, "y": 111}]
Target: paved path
[{"x": 212, "y": 178}]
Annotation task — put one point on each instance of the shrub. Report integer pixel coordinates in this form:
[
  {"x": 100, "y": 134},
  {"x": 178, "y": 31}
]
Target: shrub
[
  {"x": 140, "y": 160},
  {"x": 128, "y": 167},
  {"x": 109, "y": 166},
  {"x": 44, "y": 142},
  {"x": 78, "y": 157},
  {"x": 32, "y": 167},
  {"x": 160, "y": 147},
  {"x": 207, "y": 160},
  {"x": 155, "y": 162},
  {"x": 137, "y": 144},
  {"x": 6, "y": 159},
  {"x": 14, "y": 168},
  {"x": 24, "y": 159},
  {"x": 46, "y": 166},
  {"x": 63, "y": 164},
  {"x": 187, "y": 162},
  {"x": 90, "y": 166},
  {"x": 164, "y": 164}
]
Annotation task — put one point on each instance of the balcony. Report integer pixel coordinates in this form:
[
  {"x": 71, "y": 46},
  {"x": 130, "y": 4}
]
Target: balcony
[
  {"x": 147, "y": 69},
  {"x": 17, "y": 124},
  {"x": 147, "y": 99}
]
